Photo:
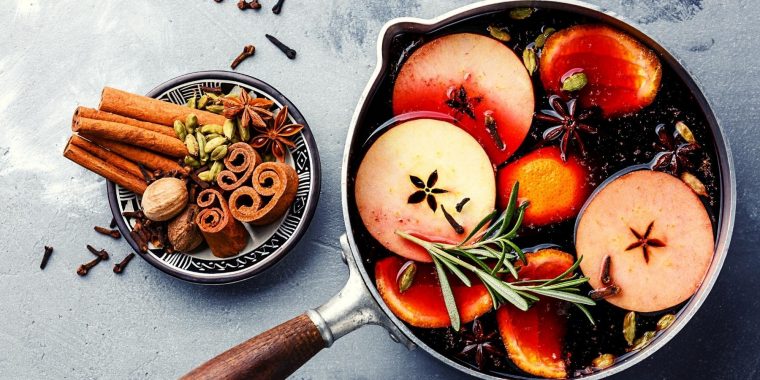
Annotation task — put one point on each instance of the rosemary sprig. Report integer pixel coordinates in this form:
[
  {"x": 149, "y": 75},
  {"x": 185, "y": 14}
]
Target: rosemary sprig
[{"x": 495, "y": 243}]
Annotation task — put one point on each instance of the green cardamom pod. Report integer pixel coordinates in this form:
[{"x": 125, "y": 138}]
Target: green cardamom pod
[
  {"x": 243, "y": 132},
  {"x": 201, "y": 146},
  {"x": 499, "y": 33},
  {"x": 520, "y": 13},
  {"x": 529, "y": 60},
  {"x": 191, "y": 122},
  {"x": 575, "y": 82},
  {"x": 665, "y": 321},
  {"x": 219, "y": 153},
  {"x": 192, "y": 103},
  {"x": 541, "y": 39},
  {"x": 212, "y": 128},
  {"x": 629, "y": 327},
  {"x": 229, "y": 129},
  {"x": 212, "y": 136},
  {"x": 406, "y": 276},
  {"x": 217, "y": 109},
  {"x": 212, "y": 96},
  {"x": 179, "y": 130},
  {"x": 685, "y": 132},
  {"x": 192, "y": 145},
  {"x": 202, "y": 102},
  {"x": 215, "y": 169},
  {"x": 206, "y": 176},
  {"x": 213, "y": 143},
  {"x": 192, "y": 162}
]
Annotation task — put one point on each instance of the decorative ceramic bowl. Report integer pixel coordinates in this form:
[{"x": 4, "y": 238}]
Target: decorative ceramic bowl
[{"x": 268, "y": 244}]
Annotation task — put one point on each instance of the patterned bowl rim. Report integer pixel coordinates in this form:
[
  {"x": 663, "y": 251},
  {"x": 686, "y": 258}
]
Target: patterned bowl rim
[{"x": 313, "y": 194}]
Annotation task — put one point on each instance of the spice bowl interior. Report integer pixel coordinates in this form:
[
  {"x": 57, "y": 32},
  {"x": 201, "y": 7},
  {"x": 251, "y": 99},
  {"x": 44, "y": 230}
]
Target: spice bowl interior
[
  {"x": 267, "y": 244},
  {"x": 402, "y": 36}
]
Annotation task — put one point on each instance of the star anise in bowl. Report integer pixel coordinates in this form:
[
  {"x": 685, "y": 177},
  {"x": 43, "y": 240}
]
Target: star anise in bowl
[
  {"x": 275, "y": 136},
  {"x": 675, "y": 149},
  {"x": 567, "y": 126},
  {"x": 252, "y": 111},
  {"x": 483, "y": 346}
]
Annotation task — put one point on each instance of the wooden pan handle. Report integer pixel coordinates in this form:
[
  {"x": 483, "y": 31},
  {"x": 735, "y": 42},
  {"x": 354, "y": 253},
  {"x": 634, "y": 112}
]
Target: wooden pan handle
[{"x": 274, "y": 354}]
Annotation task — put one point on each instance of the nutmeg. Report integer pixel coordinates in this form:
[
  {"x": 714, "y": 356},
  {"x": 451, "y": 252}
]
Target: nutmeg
[
  {"x": 164, "y": 199},
  {"x": 183, "y": 233}
]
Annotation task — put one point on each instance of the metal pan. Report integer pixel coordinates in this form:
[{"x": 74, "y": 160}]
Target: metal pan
[{"x": 281, "y": 350}]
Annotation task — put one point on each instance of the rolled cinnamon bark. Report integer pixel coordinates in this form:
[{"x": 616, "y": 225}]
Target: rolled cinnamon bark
[
  {"x": 225, "y": 236},
  {"x": 170, "y": 146},
  {"x": 104, "y": 169},
  {"x": 151, "y": 160},
  {"x": 91, "y": 113},
  {"x": 107, "y": 156},
  {"x": 240, "y": 162},
  {"x": 275, "y": 180},
  {"x": 151, "y": 110}
]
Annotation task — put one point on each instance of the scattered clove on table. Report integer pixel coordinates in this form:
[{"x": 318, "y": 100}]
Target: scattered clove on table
[
  {"x": 105, "y": 231},
  {"x": 102, "y": 254},
  {"x": 248, "y": 51},
  {"x": 290, "y": 53},
  {"x": 46, "y": 256},
  {"x": 278, "y": 7},
  {"x": 85, "y": 268},
  {"x": 119, "y": 267}
]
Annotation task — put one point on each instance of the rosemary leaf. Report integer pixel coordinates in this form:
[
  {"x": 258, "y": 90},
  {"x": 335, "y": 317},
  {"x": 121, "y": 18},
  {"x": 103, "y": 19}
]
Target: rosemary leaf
[
  {"x": 565, "y": 285},
  {"x": 503, "y": 290},
  {"x": 448, "y": 295},
  {"x": 565, "y": 273},
  {"x": 586, "y": 313},
  {"x": 472, "y": 257},
  {"x": 477, "y": 228},
  {"x": 569, "y": 297},
  {"x": 517, "y": 250},
  {"x": 453, "y": 268}
]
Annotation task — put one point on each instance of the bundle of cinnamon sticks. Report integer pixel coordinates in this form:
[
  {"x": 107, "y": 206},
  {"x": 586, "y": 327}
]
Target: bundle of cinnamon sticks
[{"x": 129, "y": 130}]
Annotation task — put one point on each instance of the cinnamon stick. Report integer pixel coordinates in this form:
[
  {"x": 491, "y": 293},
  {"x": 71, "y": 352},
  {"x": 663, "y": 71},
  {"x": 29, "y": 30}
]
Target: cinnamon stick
[
  {"x": 273, "y": 180},
  {"x": 225, "y": 236},
  {"x": 104, "y": 169},
  {"x": 240, "y": 162},
  {"x": 107, "y": 156},
  {"x": 151, "y": 110},
  {"x": 91, "y": 113},
  {"x": 125, "y": 133},
  {"x": 151, "y": 160}
]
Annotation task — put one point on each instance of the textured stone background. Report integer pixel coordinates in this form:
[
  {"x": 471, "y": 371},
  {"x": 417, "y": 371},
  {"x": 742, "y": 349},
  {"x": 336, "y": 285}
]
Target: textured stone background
[{"x": 144, "y": 324}]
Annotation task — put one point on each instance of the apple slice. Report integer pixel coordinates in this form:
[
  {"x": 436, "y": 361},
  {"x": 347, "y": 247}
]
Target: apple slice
[
  {"x": 623, "y": 75},
  {"x": 422, "y": 304},
  {"x": 556, "y": 189},
  {"x": 413, "y": 175},
  {"x": 658, "y": 236},
  {"x": 470, "y": 76},
  {"x": 534, "y": 338}
]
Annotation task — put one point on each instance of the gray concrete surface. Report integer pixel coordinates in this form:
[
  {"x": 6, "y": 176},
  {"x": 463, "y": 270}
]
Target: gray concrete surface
[{"x": 55, "y": 55}]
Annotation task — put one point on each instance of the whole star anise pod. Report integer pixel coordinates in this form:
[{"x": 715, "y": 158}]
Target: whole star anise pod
[
  {"x": 568, "y": 124},
  {"x": 483, "y": 345},
  {"x": 253, "y": 111},
  {"x": 274, "y": 137},
  {"x": 674, "y": 155}
]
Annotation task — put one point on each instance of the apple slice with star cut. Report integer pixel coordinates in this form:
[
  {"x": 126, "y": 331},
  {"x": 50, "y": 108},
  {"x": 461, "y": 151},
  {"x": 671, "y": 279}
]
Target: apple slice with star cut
[
  {"x": 478, "y": 80},
  {"x": 657, "y": 234},
  {"x": 425, "y": 177}
]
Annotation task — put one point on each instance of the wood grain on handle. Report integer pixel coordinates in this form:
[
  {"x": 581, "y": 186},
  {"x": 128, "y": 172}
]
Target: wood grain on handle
[{"x": 274, "y": 354}]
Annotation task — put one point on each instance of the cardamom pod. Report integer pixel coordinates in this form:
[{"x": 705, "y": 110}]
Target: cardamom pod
[
  {"x": 229, "y": 129},
  {"x": 575, "y": 82},
  {"x": 192, "y": 103},
  {"x": 192, "y": 145},
  {"x": 212, "y": 96},
  {"x": 180, "y": 130},
  {"x": 499, "y": 33},
  {"x": 192, "y": 162},
  {"x": 219, "y": 153},
  {"x": 215, "y": 169},
  {"x": 694, "y": 183},
  {"x": 213, "y": 143},
  {"x": 211, "y": 136},
  {"x": 629, "y": 327},
  {"x": 405, "y": 276},
  {"x": 202, "y": 102},
  {"x": 243, "y": 132},
  {"x": 520, "y": 13},
  {"x": 206, "y": 176},
  {"x": 685, "y": 132},
  {"x": 643, "y": 341},
  {"x": 665, "y": 321},
  {"x": 529, "y": 60},
  {"x": 212, "y": 128},
  {"x": 191, "y": 123},
  {"x": 541, "y": 39},
  {"x": 603, "y": 361},
  {"x": 201, "y": 146},
  {"x": 217, "y": 109}
]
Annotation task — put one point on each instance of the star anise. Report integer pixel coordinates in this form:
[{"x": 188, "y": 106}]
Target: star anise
[
  {"x": 483, "y": 345},
  {"x": 253, "y": 111},
  {"x": 426, "y": 190},
  {"x": 568, "y": 124},
  {"x": 645, "y": 241},
  {"x": 274, "y": 135},
  {"x": 460, "y": 102},
  {"x": 674, "y": 154}
]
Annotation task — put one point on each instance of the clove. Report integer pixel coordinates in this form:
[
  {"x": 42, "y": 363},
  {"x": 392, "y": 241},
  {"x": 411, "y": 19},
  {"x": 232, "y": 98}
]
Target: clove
[
  {"x": 461, "y": 204},
  {"x": 84, "y": 268},
  {"x": 277, "y": 7},
  {"x": 211, "y": 89},
  {"x": 248, "y": 51},
  {"x": 46, "y": 256},
  {"x": 290, "y": 53},
  {"x": 606, "y": 278},
  {"x": 118, "y": 268},
  {"x": 456, "y": 226},
  {"x": 102, "y": 254},
  {"x": 253, "y": 4},
  {"x": 602, "y": 293},
  {"x": 105, "y": 231},
  {"x": 133, "y": 214}
]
